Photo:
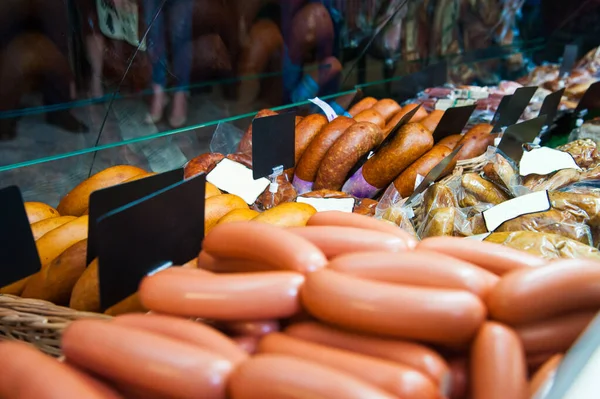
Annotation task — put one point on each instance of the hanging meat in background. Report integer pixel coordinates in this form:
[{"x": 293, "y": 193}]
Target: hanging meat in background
[{"x": 415, "y": 36}]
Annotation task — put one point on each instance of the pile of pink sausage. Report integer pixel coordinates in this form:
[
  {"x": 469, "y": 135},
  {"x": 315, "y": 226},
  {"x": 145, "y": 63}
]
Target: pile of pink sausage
[{"x": 347, "y": 307}]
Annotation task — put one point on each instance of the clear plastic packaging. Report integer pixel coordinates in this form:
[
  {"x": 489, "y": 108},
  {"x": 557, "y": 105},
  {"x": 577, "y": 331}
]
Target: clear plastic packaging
[{"x": 392, "y": 207}]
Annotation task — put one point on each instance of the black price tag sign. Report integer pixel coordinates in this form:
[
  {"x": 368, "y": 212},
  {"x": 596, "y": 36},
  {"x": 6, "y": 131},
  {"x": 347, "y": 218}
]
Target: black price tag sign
[
  {"x": 515, "y": 107},
  {"x": 453, "y": 121},
  {"x": 516, "y": 135},
  {"x": 500, "y": 110},
  {"x": 434, "y": 174},
  {"x": 273, "y": 143},
  {"x": 18, "y": 254},
  {"x": 568, "y": 59},
  {"x": 108, "y": 199},
  {"x": 162, "y": 229},
  {"x": 590, "y": 99},
  {"x": 550, "y": 106}
]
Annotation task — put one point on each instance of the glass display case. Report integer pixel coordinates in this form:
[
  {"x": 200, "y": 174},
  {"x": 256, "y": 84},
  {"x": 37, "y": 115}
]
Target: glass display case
[{"x": 94, "y": 83}]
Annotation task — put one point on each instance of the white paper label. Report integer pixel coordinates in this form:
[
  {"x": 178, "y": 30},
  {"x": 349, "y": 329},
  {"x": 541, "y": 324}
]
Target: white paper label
[
  {"x": 530, "y": 203},
  {"x": 444, "y": 104},
  {"x": 497, "y": 141},
  {"x": 235, "y": 178},
  {"x": 544, "y": 160},
  {"x": 329, "y": 112},
  {"x": 478, "y": 237},
  {"x": 329, "y": 204}
]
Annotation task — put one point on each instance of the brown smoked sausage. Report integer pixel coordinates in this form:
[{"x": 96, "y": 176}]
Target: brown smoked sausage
[
  {"x": 362, "y": 105},
  {"x": 412, "y": 141},
  {"x": 306, "y": 131},
  {"x": 370, "y": 115},
  {"x": 387, "y": 108},
  {"x": 405, "y": 182},
  {"x": 475, "y": 142},
  {"x": 356, "y": 141}
]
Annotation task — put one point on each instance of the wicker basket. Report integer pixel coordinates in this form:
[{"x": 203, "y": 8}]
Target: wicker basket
[{"x": 38, "y": 322}]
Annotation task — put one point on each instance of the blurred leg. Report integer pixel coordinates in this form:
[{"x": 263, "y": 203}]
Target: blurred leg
[
  {"x": 180, "y": 25},
  {"x": 157, "y": 52}
]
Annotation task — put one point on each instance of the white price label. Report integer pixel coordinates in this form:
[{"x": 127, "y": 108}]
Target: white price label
[
  {"x": 544, "y": 160},
  {"x": 329, "y": 204},
  {"x": 478, "y": 237},
  {"x": 235, "y": 178},
  {"x": 329, "y": 112},
  {"x": 530, "y": 203}
]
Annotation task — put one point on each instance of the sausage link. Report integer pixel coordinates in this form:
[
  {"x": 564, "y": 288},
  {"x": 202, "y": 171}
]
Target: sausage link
[
  {"x": 264, "y": 243},
  {"x": 306, "y": 131},
  {"x": 495, "y": 258},
  {"x": 145, "y": 361},
  {"x": 450, "y": 141},
  {"x": 405, "y": 182},
  {"x": 417, "y": 117},
  {"x": 202, "y": 164},
  {"x": 421, "y": 268},
  {"x": 432, "y": 120},
  {"x": 412, "y": 354},
  {"x": 284, "y": 377},
  {"x": 475, "y": 142},
  {"x": 553, "y": 335},
  {"x": 357, "y": 141},
  {"x": 544, "y": 375},
  {"x": 339, "y": 240},
  {"x": 386, "y": 108},
  {"x": 231, "y": 265},
  {"x": 228, "y": 297},
  {"x": 370, "y": 115},
  {"x": 419, "y": 312},
  {"x": 395, "y": 378},
  {"x": 412, "y": 141},
  {"x": 197, "y": 334},
  {"x": 365, "y": 103},
  {"x": 307, "y": 167},
  {"x": 530, "y": 295},
  {"x": 498, "y": 367}
]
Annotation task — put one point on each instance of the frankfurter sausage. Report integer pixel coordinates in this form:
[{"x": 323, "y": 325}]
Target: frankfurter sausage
[
  {"x": 239, "y": 296},
  {"x": 356, "y": 141},
  {"x": 338, "y": 240},
  {"x": 372, "y": 116},
  {"x": 432, "y": 120},
  {"x": 187, "y": 331},
  {"x": 146, "y": 361},
  {"x": 498, "y": 368},
  {"x": 525, "y": 296},
  {"x": 386, "y": 108},
  {"x": 492, "y": 257},
  {"x": 544, "y": 375},
  {"x": 337, "y": 218},
  {"x": 405, "y": 182},
  {"x": 417, "y": 117},
  {"x": 27, "y": 371},
  {"x": 231, "y": 265},
  {"x": 421, "y": 268},
  {"x": 264, "y": 243},
  {"x": 350, "y": 302},
  {"x": 395, "y": 378},
  {"x": 257, "y": 328},
  {"x": 284, "y": 377},
  {"x": 412, "y": 141},
  {"x": 450, "y": 141},
  {"x": 306, "y": 131},
  {"x": 307, "y": 167},
  {"x": 414, "y": 355},
  {"x": 475, "y": 142},
  {"x": 365, "y": 103},
  {"x": 245, "y": 145},
  {"x": 553, "y": 335},
  {"x": 459, "y": 371}
]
